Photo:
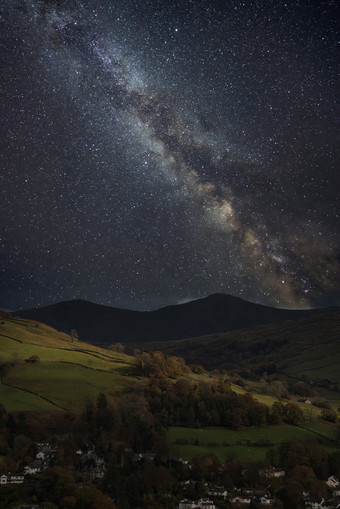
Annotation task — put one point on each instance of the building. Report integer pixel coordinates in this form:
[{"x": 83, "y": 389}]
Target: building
[
  {"x": 240, "y": 500},
  {"x": 36, "y": 467},
  {"x": 333, "y": 482},
  {"x": 25, "y": 506},
  {"x": 202, "y": 503},
  {"x": 11, "y": 478}
]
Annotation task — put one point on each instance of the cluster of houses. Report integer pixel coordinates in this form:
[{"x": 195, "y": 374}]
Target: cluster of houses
[
  {"x": 88, "y": 464},
  {"x": 246, "y": 499},
  {"x": 259, "y": 495},
  {"x": 334, "y": 484},
  {"x": 321, "y": 504},
  {"x": 240, "y": 497},
  {"x": 93, "y": 468},
  {"x": 45, "y": 453}
]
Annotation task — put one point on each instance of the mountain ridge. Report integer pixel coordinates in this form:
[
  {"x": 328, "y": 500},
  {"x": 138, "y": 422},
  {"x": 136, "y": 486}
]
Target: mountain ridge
[{"x": 100, "y": 324}]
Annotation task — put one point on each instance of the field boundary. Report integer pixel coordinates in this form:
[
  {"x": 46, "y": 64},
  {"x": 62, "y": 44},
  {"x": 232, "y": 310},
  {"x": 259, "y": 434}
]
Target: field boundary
[
  {"x": 316, "y": 433},
  {"x": 38, "y": 395}
]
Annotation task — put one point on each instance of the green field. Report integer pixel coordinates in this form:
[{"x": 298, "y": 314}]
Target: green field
[
  {"x": 67, "y": 373},
  {"x": 68, "y": 386},
  {"x": 241, "y": 444}
]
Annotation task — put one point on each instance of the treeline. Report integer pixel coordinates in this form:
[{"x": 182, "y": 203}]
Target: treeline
[{"x": 182, "y": 403}]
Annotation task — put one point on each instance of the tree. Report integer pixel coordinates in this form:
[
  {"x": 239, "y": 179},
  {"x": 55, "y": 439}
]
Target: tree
[
  {"x": 293, "y": 414},
  {"x": 334, "y": 463},
  {"x": 32, "y": 359},
  {"x": 74, "y": 335},
  {"x": 103, "y": 502},
  {"x": 291, "y": 495},
  {"x": 292, "y": 452},
  {"x": 117, "y": 347},
  {"x": 4, "y": 368},
  {"x": 277, "y": 412},
  {"x": 329, "y": 414},
  {"x": 101, "y": 401},
  {"x": 303, "y": 389}
]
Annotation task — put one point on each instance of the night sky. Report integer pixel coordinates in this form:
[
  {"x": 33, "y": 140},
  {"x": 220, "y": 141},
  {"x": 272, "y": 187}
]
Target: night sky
[{"x": 159, "y": 151}]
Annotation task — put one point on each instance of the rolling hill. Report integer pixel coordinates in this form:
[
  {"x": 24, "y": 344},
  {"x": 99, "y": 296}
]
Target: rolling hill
[
  {"x": 103, "y": 325},
  {"x": 44, "y": 370},
  {"x": 304, "y": 348},
  {"x": 49, "y": 371}
]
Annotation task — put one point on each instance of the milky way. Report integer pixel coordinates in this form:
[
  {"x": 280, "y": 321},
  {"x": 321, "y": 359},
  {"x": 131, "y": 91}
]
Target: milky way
[{"x": 154, "y": 152}]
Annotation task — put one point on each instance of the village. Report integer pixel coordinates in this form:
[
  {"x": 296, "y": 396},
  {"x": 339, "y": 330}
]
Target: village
[{"x": 92, "y": 468}]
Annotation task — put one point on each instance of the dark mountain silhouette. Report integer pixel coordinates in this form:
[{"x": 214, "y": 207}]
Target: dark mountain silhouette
[{"x": 103, "y": 325}]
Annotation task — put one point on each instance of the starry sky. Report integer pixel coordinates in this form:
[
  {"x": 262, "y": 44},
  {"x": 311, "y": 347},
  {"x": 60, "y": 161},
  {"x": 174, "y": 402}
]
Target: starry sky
[{"x": 154, "y": 152}]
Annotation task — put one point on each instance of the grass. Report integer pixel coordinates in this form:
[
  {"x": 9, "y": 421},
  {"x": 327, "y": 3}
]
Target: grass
[
  {"x": 68, "y": 373},
  {"x": 228, "y": 443},
  {"x": 26, "y": 350},
  {"x": 23, "y": 337},
  {"x": 66, "y": 385},
  {"x": 14, "y": 399},
  {"x": 310, "y": 412}
]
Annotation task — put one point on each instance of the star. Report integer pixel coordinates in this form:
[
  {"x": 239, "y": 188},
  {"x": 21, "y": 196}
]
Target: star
[{"x": 166, "y": 152}]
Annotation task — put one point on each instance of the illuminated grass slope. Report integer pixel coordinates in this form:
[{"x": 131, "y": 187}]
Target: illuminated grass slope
[{"x": 67, "y": 373}]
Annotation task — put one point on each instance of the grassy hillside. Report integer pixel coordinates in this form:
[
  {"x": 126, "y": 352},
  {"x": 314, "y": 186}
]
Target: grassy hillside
[
  {"x": 47, "y": 371},
  {"x": 67, "y": 374},
  {"x": 306, "y": 348}
]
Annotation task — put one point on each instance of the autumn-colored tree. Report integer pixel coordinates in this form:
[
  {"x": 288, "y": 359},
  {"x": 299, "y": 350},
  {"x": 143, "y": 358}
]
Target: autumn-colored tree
[
  {"x": 291, "y": 495},
  {"x": 292, "y": 452},
  {"x": 334, "y": 463},
  {"x": 329, "y": 414},
  {"x": 277, "y": 413},
  {"x": 103, "y": 502},
  {"x": 293, "y": 414},
  {"x": 157, "y": 476}
]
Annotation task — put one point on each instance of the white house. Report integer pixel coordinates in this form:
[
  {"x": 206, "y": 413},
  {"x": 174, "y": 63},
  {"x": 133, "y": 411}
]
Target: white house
[
  {"x": 184, "y": 461},
  {"x": 240, "y": 500},
  {"x": 216, "y": 491},
  {"x": 266, "y": 500},
  {"x": 36, "y": 467},
  {"x": 315, "y": 504},
  {"x": 272, "y": 472},
  {"x": 333, "y": 482},
  {"x": 205, "y": 503},
  {"x": 28, "y": 507},
  {"x": 12, "y": 478},
  {"x": 202, "y": 503},
  {"x": 186, "y": 504}
]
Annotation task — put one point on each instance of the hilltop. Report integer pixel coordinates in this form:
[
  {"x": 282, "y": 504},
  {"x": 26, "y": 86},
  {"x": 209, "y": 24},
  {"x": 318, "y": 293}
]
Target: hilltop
[{"x": 103, "y": 325}]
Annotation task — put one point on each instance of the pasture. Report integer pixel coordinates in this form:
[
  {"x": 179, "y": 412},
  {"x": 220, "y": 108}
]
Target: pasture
[{"x": 248, "y": 444}]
